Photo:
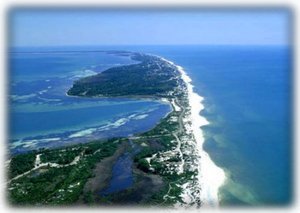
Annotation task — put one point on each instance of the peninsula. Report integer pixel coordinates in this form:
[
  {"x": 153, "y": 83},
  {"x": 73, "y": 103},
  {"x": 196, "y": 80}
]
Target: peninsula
[{"x": 166, "y": 160}]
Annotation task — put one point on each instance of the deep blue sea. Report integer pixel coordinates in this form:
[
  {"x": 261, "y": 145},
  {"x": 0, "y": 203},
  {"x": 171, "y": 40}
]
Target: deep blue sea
[{"x": 248, "y": 102}]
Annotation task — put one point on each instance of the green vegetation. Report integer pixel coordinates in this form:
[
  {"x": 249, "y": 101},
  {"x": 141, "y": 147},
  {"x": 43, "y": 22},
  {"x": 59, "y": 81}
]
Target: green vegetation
[
  {"x": 64, "y": 156},
  {"x": 21, "y": 163},
  {"x": 163, "y": 130},
  {"x": 151, "y": 77},
  {"x": 143, "y": 165},
  {"x": 58, "y": 185}
]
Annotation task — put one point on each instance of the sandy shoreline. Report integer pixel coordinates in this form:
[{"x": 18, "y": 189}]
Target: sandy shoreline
[
  {"x": 210, "y": 177},
  {"x": 196, "y": 179}
]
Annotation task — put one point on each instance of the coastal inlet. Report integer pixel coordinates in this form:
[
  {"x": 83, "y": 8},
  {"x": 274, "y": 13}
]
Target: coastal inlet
[{"x": 160, "y": 165}]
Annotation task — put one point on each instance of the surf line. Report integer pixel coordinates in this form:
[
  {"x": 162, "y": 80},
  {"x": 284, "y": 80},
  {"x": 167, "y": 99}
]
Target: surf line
[{"x": 210, "y": 177}]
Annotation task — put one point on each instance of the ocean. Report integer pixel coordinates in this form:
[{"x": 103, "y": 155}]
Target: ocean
[{"x": 247, "y": 93}]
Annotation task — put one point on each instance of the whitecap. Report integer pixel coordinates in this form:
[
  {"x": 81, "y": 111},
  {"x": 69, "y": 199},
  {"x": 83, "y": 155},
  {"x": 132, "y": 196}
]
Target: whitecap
[
  {"x": 83, "y": 73},
  {"x": 83, "y": 133},
  {"x": 22, "y": 97},
  {"x": 139, "y": 117}
]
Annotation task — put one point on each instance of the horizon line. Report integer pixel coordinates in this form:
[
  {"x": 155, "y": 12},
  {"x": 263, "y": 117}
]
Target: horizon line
[{"x": 100, "y": 45}]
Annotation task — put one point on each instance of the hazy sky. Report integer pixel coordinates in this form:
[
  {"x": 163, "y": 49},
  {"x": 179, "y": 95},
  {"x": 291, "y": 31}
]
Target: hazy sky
[{"x": 121, "y": 27}]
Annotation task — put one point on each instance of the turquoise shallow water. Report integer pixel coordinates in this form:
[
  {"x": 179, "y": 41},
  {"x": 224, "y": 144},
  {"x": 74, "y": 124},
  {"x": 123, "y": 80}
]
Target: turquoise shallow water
[{"x": 41, "y": 115}]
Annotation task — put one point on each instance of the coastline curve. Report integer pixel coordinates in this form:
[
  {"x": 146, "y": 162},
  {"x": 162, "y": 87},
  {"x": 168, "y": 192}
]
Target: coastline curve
[{"x": 210, "y": 177}]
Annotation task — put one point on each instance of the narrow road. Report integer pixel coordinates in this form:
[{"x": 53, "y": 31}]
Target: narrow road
[{"x": 38, "y": 165}]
